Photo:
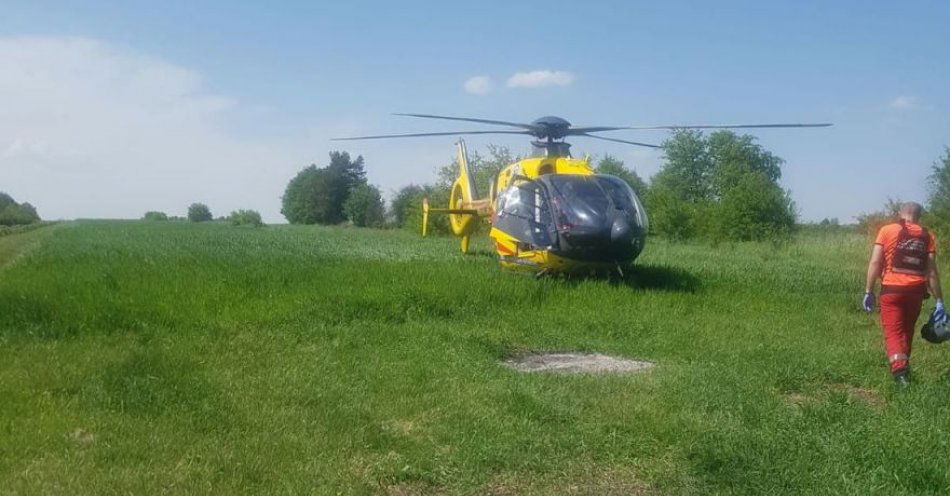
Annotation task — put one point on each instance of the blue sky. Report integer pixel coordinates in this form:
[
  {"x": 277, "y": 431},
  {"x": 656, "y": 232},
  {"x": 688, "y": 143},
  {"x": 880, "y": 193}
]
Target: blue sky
[{"x": 151, "y": 105}]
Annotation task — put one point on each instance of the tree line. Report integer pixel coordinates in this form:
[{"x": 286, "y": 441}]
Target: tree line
[
  {"x": 717, "y": 186},
  {"x": 16, "y": 214},
  {"x": 720, "y": 186},
  {"x": 199, "y": 212}
]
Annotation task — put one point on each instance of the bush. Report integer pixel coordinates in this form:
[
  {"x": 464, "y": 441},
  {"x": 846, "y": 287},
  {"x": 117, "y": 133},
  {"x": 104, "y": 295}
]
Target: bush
[
  {"x": 937, "y": 215},
  {"x": 199, "y": 212},
  {"x": 16, "y": 214},
  {"x": 671, "y": 215},
  {"x": 19, "y": 229},
  {"x": 400, "y": 208},
  {"x": 871, "y": 223},
  {"x": 246, "y": 218},
  {"x": 155, "y": 215},
  {"x": 826, "y": 227},
  {"x": 754, "y": 208},
  {"x": 364, "y": 206}
]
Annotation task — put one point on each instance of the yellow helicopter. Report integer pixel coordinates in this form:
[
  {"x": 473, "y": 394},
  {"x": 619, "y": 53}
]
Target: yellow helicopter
[{"x": 550, "y": 213}]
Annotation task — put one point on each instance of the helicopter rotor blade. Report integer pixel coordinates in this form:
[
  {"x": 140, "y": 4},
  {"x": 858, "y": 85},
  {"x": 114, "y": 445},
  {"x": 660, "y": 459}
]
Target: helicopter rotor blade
[
  {"x": 619, "y": 140},
  {"x": 469, "y": 119},
  {"x": 416, "y": 135},
  {"x": 736, "y": 126},
  {"x": 577, "y": 131}
]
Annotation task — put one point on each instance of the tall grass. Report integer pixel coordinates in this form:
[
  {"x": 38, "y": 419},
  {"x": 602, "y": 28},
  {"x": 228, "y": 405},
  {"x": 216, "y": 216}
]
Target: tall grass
[
  {"x": 8, "y": 230},
  {"x": 203, "y": 358}
]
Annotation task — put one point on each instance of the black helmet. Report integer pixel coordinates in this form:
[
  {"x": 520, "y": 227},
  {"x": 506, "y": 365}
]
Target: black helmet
[{"x": 935, "y": 332}]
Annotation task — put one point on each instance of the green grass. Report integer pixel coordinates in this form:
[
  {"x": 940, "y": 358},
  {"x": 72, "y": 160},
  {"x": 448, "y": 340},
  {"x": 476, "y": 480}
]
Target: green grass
[{"x": 209, "y": 359}]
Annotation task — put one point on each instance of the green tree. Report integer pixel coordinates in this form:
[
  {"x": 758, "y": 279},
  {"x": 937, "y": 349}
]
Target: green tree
[
  {"x": 615, "y": 167},
  {"x": 670, "y": 214},
  {"x": 688, "y": 167},
  {"x": 364, "y": 206},
  {"x": 155, "y": 215},
  {"x": 199, "y": 212},
  {"x": 15, "y": 214},
  {"x": 406, "y": 207},
  {"x": 304, "y": 200},
  {"x": 317, "y": 195},
  {"x": 483, "y": 168},
  {"x": 6, "y": 200},
  {"x": 723, "y": 186},
  {"x": 734, "y": 158},
  {"x": 938, "y": 200},
  {"x": 246, "y": 218},
  {"x": 403, "y": 202}
]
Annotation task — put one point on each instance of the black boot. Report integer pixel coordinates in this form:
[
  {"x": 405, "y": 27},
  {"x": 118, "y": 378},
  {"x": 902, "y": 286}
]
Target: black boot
[{"x": 902, "y": 377}]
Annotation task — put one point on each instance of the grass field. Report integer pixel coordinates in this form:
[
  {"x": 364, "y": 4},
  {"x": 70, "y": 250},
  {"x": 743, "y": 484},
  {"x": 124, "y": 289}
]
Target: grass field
[{"x": 209, "y": 359}]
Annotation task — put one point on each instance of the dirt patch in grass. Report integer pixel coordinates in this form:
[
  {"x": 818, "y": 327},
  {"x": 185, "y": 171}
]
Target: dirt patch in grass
[
  {"x": 867, "y": 396},
  {"x": 855, "y": 394},
  {"x": 411, "y": 489},
  {"x": 576, "y": 363},
  {"x": 400, "y": 426},
  {"x": 600, "y": 482},
  {"x": 82, "y": 436},
  {"x": 797, "y": 399}
]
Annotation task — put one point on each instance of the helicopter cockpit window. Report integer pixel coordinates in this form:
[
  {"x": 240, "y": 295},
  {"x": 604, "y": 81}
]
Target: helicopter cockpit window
[
  {"x": 624, "y": 198},
  {"x": 524, "y": 213},
  {"x": 581, "y": 203}
]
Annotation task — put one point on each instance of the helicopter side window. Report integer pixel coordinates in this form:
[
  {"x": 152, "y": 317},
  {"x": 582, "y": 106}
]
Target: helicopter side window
[{"x": 524, "y": 213}]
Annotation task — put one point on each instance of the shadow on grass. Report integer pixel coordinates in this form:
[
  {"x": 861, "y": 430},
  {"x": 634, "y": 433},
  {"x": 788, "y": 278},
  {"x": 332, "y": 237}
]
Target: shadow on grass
[
  {"x": 482, "y": 253},
  {"x": 657, "y": 277},
  {"x": 642, "y": 277},
  {"x": 637, "y": 276}
]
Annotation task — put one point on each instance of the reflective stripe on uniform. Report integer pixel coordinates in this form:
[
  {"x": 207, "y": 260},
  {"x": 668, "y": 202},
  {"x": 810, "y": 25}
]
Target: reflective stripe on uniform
[{"x": 897, "y": 356}]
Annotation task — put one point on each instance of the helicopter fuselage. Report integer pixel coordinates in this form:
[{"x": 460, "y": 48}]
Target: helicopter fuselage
[{"x": 556, "y": 214}]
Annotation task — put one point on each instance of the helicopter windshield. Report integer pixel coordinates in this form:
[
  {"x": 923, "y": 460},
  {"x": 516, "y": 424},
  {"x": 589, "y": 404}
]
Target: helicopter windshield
[
  {"x": 582, "y": 204},
  {"x": 625, "y": 199}
]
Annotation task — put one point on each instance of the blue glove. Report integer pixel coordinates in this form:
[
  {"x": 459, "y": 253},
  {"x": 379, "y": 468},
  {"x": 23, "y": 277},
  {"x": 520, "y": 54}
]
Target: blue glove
[
  {"x": 940, "y": 314},
  {"x": 868, "y": 302}
]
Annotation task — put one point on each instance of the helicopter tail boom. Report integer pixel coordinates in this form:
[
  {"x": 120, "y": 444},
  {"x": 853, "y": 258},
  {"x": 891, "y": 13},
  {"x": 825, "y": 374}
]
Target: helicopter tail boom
[{"x": 452, "y": 211}]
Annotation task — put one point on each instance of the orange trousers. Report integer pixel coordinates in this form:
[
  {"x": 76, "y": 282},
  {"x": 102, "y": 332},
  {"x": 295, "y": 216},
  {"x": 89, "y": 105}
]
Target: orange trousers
[{"x": 900, "y": 308}]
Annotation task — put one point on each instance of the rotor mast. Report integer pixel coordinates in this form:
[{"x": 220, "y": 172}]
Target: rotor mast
[
  {"x": 550, "y": 148},
  {"x": 550, "y": 131}
]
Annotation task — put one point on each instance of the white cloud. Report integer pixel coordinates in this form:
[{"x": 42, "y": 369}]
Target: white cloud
[
  {"x": 538, "y": 79},
  {"x": 89, "y": 129},
  {"x": 905, "y": 102},
  {"x": 478, "y": 85}
]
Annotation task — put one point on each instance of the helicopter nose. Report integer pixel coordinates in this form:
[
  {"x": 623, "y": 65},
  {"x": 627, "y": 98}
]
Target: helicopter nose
[{"x": 621, "y": 234}]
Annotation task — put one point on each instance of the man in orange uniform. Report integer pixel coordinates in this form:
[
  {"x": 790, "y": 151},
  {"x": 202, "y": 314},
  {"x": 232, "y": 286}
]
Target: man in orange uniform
[{"x": 904, "y": 257}]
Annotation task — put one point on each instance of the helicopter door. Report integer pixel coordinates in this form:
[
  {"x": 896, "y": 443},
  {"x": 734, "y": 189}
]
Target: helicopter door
[{"x": 524, "y": 214}]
